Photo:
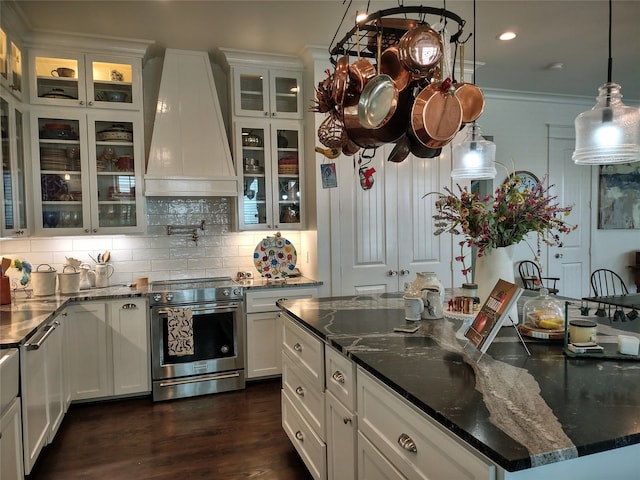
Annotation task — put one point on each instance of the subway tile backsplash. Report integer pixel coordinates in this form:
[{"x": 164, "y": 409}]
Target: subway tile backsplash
[{"x": 219, "y": 251}]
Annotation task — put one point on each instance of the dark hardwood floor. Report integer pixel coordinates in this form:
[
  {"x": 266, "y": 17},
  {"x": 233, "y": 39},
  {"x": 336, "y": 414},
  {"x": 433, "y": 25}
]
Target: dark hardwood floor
[{"x": 231, "y": 435}]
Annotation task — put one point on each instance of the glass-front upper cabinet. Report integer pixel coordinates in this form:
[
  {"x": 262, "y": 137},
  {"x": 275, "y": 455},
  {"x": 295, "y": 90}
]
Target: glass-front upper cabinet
[
  {"x": 10, "y": 64},
  {"x": 75, "y": 79},
  {"x": 261, "y": 92},
  {"x": 13, "y": 188},
  {"x": 271, "y": 173},
  {"x": 87, "y": 171}
]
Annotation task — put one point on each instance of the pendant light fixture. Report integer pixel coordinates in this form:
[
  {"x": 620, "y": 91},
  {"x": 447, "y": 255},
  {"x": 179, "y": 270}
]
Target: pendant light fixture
[
  {"x": 475, "y": 157},
  {"x": 609, "y": 133}
]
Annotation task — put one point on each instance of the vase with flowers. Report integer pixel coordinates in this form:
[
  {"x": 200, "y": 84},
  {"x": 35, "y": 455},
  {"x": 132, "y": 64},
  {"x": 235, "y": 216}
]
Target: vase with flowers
[{"x": 494, "y": 223}]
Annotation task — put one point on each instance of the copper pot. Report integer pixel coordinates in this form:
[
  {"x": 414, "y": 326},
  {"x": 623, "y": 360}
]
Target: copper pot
[
  {"x": 420, "y": 49},
  {"x": 391, "y": 65},
  {"x": 360, "y": 72},
  {"x": 340, "y": 81},
  {"x": 470, "y": 96},
  {"x": 436, "y": 115}
]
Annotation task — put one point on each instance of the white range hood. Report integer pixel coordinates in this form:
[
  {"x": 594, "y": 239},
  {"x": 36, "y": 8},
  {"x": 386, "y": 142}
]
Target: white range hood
[{"x": 189, "y": 154}]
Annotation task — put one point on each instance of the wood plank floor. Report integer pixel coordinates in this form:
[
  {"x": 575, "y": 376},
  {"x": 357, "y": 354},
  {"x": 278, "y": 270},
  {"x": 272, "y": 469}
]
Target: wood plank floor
[{"x": 231, "y": 435}]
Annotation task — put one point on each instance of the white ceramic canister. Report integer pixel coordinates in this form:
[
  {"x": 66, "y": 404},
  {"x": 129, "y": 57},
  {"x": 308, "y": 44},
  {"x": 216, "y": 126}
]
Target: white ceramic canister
[
  {"x": 87, "y": 277},
  {"x": 43, "y": 281},
  {"x": 413, "y": 308},
  {"x": 69, "y": 282},
  {"x": 427, "y": 283}
]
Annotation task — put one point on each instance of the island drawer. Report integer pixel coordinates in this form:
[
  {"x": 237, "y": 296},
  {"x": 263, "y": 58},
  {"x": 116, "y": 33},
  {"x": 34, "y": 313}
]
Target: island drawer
[
  {"x": 305, "y": 349},
  {"x": 311, "y": 449},
  {"x": 413, "y": 443},
  {"x": 308, "y": 398},
  {"x": 264, "y": 299},
  {"x": 340, "y": 377}
]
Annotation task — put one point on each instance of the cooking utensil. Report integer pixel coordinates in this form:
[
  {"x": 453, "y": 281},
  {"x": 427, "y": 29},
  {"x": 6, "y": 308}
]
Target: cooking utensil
[
  {"x": 470, "y": 96},
  {"x": 391, "y": 65},
  {"x": 340, "y": 80},
  {"x": 106, "y": 256},
  {"x": 436, "y": 115},
  {"x": 401, "y": 149},
  {"x": 420, "y": 48}
]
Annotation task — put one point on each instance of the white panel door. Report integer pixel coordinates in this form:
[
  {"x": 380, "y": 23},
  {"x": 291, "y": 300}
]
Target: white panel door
[
  {"x": 386, "y": 233},
  {"x": 571, "y": 261}
]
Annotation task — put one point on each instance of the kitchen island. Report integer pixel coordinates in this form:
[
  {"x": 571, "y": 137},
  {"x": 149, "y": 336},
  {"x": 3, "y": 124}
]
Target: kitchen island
[{"x": 537, "y": 416}]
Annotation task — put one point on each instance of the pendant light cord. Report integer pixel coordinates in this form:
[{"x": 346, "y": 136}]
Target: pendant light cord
[{"x": 610, "y": 62}]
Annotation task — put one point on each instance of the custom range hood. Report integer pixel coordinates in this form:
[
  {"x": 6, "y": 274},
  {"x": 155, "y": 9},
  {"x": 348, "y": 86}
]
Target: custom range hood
[{"x": 189, "y": 153}]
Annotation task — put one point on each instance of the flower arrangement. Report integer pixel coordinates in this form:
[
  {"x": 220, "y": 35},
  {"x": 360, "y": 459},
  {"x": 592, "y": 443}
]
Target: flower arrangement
[
  {"x": 503, "y": 218},
  {"x": 24, "y": 267}
]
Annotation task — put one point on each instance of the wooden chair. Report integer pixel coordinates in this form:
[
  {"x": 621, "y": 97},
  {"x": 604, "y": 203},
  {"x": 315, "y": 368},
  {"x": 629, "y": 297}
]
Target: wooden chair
[
  {"x": 533, "y": 280},
  {"x": 604, "y": 283}
]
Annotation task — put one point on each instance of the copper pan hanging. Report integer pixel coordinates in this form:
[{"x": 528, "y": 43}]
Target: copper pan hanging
[
  {"x": 391, "y": 65},
  {"x": 436, "y": 115},
  {"x": 470, "y": 95},
  {"x": 420, "y": 49}
]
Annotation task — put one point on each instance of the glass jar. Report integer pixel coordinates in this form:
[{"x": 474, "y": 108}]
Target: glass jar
[{"x": 543, "y": 312}]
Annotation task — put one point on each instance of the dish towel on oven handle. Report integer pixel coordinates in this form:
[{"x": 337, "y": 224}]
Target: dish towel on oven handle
[{"x": 180, "y": 332}]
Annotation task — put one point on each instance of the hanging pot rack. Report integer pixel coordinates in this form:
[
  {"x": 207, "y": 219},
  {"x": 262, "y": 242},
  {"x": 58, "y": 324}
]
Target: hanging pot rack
[{"x": 358, "y": 40}]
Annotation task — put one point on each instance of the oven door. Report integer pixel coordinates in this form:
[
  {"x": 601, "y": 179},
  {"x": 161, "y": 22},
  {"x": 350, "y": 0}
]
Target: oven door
[{"x": 218, "y": 341}]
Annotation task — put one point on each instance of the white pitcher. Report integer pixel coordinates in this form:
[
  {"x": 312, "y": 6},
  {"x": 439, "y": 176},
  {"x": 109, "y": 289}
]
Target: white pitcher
[{"x": 103, "y": 274}]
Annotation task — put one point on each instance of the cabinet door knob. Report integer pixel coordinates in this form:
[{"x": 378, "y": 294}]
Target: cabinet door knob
[
  {"x": 297, "y": 347},
  {"x": 81, "y": 102},
  {"x": 90, "y": 104},
  {"x": 404, "y": 272},
  {"x": 338, "y": 376},
  {"x": 392, "y": 273},
  {"x": 86, "y": 230},
  {"x": 128, "y": 306},
  {"x": 406, "y": 442},
  {"x": 299, "y": 436},
  {"x": 346, "y": 420},
  {"x": 266, "y": 114},
  {"x": 300, "y": 391}
]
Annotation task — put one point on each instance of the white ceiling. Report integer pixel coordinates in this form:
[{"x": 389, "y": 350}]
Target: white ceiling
[{"x": 574, "y": 32}]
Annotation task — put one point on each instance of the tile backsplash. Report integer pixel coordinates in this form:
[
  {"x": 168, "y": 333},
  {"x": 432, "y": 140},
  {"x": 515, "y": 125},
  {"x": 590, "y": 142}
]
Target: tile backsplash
[{"x": 219, "y": 250}]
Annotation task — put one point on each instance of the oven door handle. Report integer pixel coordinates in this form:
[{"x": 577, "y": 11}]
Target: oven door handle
[{"x": 227, "y": 306}]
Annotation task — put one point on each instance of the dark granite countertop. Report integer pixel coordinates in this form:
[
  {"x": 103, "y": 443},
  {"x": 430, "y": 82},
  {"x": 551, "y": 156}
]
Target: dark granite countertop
[
  {"x": 291, "y": 282},
  {"x": 520, "y": 411}
]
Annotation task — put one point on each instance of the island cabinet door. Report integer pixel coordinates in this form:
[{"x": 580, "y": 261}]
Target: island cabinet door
[
  {"x": 341, "y": 433},
  {"x": 372, "y": 465},
  {"x": 414, "y": 444}
]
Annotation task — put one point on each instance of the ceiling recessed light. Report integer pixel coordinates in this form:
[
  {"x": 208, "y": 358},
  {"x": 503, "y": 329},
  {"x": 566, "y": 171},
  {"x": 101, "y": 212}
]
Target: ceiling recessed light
[
  {"x": 555, "y": 66},
  {"x": 507, "y": 36}
]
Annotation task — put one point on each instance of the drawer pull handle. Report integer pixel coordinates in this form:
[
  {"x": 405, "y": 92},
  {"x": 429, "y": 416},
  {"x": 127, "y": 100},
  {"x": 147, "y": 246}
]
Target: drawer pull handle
[
  {"x": 128, "y": 306},
  {"x": 407, "y": 443},
  {"x": 297, "y": 347},
  {"x": 300, "y": 436},
  {"x": 338, "y": 376},
  {"x": 300, "y": 391},
  {"x": 346, "y": 420}
]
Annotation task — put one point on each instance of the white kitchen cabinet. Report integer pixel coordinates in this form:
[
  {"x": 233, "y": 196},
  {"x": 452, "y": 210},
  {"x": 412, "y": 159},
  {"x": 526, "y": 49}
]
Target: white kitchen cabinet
[
  {"x": 264, "y": 85},
  {"x": 303, "y": 399},
  {"x": 87, "y": 166},
  {"x": 42, "y": 392},
  {"x": 272, "y": 173},
  {"x": 88, "y": 351},
  {"x": 108, "y": 344},
  {"x": 372, "y": 465},
  {"x": 265, "y": 97},
  {"x": 13, "y": 216},
  {"x": 264, "y": 328},
  {"x": 11, "y": 63},
  {"x": 413, "y": 444},
  {"x": 78, "y": 79},
  {"x": 130, "y": 338},
  {"x": 387, "y": 232},
  {"x": 11, "y": 462}
]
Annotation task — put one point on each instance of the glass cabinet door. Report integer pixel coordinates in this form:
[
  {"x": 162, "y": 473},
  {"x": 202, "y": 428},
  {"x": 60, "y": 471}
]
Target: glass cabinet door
[
  {"x": 115, "y": 178},
  {"x": 58, "y": 80},
  {"x": 10, "y": 64},
  {"x": 4, "y": 57},
  {"x": 111, "y": 82},
  {"x": 286, "y": 101},
  {"x": 251, "y": 92},
  {"x": 62, "y": 173},
  {"x": 14, "y": 214},
  {"x": 255, "y": 172},
  {"x": 287, "y": 190}
]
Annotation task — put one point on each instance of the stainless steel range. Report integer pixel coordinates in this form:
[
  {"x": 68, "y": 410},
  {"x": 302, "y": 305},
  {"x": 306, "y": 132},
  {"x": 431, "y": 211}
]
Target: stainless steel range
[{"x": 197, "y": 335}]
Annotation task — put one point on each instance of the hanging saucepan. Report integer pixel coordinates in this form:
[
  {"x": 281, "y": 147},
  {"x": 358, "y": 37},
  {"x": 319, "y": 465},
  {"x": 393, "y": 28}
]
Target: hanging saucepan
[
  {"x": 418, "y": 149},
  {"x": 391, "y": 128},
  {"x": 360, "y": 72},
  {"x": 391, "y": 65},
  {"x": 436, "y": 115},
  {"x": 420, "y": 49},
  {"x": 401, "y": 150},
  {"x": 392, "y": 29},
  {"x": 470, "y": 96},
  {"x": 340, "y": 81}
]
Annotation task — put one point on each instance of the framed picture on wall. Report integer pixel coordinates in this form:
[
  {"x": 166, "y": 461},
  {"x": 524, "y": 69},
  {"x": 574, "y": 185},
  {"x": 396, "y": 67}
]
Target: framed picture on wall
[{"x": 619, "y": 196}]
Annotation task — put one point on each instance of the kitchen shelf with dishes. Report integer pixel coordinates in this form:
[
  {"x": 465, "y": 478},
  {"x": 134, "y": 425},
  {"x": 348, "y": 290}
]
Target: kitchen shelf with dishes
[
  {"x": 11, "y": 62},
  {"x": 83, "y": 80},
  {"x": 86, "y": 170}
]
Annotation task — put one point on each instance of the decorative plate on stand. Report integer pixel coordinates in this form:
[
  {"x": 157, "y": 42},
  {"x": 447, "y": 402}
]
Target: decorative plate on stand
[{"x": 275, "y": 257}]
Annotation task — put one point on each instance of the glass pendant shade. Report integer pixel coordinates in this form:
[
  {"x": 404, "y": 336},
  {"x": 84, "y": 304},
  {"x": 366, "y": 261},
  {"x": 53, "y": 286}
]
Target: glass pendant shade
[
  {"x": 608, "y": 133},
  {"x": 475, "y": 157}
]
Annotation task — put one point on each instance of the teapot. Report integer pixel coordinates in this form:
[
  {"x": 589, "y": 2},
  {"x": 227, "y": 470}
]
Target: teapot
[{"x": 87, "y": 277}]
